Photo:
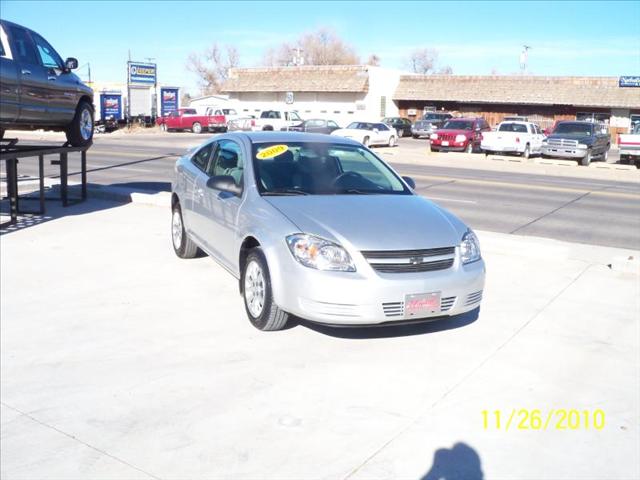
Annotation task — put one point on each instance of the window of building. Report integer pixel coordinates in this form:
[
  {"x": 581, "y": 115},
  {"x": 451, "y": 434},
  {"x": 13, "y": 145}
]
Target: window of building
[{"x": 593, "y": 117}]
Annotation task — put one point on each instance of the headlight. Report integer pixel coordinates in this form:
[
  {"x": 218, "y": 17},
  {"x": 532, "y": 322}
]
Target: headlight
[
  {"x": 318, "y": 253},
  {"x": 460, "y": 138},
  {"x": 469, "y": 248},
  {"x": 583, "y": 146},
  {"x": 433, "y": 136}
]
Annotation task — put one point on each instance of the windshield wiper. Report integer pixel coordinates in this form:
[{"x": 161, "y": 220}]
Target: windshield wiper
[{"x": 284, "y": 191}]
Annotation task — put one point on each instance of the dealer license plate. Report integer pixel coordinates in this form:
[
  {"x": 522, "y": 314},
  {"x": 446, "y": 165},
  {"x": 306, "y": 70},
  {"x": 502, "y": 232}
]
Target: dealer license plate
[
  {"x": 421, "y": 304},
  {"x": 445, "y": 143}
]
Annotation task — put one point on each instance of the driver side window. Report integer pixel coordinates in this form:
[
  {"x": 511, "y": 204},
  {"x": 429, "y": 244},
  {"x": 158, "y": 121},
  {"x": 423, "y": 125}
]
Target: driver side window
[
  {"x": 201, "y": 158},
  {"x": 228, "y": 160},
  {"x": 48, "y": 56}
]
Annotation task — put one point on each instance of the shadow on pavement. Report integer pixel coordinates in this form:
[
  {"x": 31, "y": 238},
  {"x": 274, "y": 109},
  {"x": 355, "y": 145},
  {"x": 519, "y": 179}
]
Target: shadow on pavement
[
  {"x": 389, "y": 331},
  {"x": 461, "y": 462},
  {"x": 55, "y": 210}
]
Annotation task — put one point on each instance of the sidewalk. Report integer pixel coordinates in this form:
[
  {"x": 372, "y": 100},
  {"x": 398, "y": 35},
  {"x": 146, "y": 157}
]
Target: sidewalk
[{"x": 119, "y": 360}]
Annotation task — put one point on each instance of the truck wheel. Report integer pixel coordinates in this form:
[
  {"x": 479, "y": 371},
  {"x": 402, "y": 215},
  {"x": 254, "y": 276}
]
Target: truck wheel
[
  {"x": 80, "y": 130},
  {"x": 196, "y": 127},
  {"x": 605, "y": 156},
  {"x": 469, "y": 148},
  {"x": 527, "y": 151},
  {"x": 267, "y": 128},
  {"x": 623, "y": 158},
  {"x": 263, "y": 313},
  {"x": 586, "y": 160},
  {"x": 163, "y": 127}
]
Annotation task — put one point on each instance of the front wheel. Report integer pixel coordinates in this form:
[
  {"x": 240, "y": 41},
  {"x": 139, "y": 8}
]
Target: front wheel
[
  {"x": 586, "y": 160},
  {"x": 392, "y": 141},
  {"x": 196, "y": 127},
  {"x": 365, "y": 141},
  {"x": 469, "y": 148},
  {"x": 182, "y": 244},
  {"x": 80, "y": 131},
  {"x": 263, "y": 313},
  {"x": 163, "y": 127}
]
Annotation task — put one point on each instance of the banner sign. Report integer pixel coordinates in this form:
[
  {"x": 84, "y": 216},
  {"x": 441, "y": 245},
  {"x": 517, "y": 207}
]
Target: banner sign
[
  {"x": 629, "y": 81},
  {"x": 168, "y": 100},
  {"x": 111, "y": 106},
  {"x": 142, "y": 73}
]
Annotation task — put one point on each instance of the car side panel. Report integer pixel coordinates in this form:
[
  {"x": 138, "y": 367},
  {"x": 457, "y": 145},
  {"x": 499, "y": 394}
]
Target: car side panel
[{"x": 9, "y": 91}]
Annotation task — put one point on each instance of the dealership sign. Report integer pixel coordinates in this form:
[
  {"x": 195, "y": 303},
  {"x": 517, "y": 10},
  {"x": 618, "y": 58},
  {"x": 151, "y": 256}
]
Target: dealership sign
[
  {"x": 111, "y": 106},
  {"x": 629, "y": 81},
  {"x": 168, "y": 100},
  {"x": 142, "y": 73}
]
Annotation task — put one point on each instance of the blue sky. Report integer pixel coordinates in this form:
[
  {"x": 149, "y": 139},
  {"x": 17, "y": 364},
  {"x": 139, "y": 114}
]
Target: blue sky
[{"x": 568, "y": 38}]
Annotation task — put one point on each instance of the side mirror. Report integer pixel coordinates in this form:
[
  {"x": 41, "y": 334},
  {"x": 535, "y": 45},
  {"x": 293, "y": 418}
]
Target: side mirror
[
  {"x": 224, "y": 183},
  {"x": 71, "y": 63},
  {"x": 409, "y": 181}
]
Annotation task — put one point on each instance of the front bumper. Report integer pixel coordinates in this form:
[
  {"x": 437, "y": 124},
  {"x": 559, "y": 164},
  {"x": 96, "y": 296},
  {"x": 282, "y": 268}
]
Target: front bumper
[
  {"x": 368, "y": 297},
  {"x": 564, "y": 152},
  {"x": 422, "y": 133}
]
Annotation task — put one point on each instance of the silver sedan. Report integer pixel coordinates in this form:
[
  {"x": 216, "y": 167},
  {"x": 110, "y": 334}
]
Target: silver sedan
[{"x": 320, "y": 227}]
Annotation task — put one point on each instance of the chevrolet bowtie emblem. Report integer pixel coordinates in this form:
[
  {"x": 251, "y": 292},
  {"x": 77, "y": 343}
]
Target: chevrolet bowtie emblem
[{"x": 415, "y": 260}]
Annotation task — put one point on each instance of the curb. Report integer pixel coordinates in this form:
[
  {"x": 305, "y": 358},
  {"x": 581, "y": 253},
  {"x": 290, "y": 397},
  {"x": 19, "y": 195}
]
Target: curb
[
  {"x": 551, "y": 161},
  {"x": 612, "y": 166}
]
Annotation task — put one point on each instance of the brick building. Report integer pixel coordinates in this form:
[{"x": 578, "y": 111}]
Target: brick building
[{"x": 542, "y": 99}]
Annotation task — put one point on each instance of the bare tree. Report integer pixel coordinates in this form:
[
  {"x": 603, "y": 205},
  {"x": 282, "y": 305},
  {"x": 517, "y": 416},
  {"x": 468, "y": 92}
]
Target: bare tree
[
  {"x": 446, "y": 70},
  {"x": 212, "y": 66},
  {"x": 424, "y": 61},
  {"x": 320, "y": 47},
  {"x": 374, "y": 60}
]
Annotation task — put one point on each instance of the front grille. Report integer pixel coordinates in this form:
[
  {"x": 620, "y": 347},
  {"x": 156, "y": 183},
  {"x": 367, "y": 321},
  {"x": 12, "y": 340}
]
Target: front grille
[
  {"x": 410, "y": 261},
  {"x": 396, "y": 309},
  {"x": 562, "y": 142},
  {"x": 473, "y": 298},
  {"x": 449, "y": 137}
]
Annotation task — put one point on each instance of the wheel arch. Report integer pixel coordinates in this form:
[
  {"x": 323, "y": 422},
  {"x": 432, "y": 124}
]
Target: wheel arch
[{"x": 247, "y": 244}]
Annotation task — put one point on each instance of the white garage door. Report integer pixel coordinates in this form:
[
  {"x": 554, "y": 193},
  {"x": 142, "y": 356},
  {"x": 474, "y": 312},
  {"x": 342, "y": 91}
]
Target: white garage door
[{"x": 140, "y": 101}]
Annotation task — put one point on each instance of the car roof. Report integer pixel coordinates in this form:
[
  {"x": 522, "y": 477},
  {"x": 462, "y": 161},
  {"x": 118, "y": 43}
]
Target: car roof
[{"x": 279, "y": 136}]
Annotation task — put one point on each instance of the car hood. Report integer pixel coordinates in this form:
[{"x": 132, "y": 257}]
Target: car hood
[
  {"x": 373, "y": 222},
  {"x": 570, "y": 136}
]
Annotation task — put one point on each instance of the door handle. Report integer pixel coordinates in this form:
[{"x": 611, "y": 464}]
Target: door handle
[
  {"x": 52, "y": 79},
  {"x": 26, "y": 72}
]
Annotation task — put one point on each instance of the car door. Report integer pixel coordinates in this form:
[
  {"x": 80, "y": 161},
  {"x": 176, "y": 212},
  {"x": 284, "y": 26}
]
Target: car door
[
  {"x": 61, "y": 83},
  {"x": 9, "y": 84},
  {"x": 191, "y": 174},
  {"x": 33, "y": 78},
  {"x": 220, "y": 219}
]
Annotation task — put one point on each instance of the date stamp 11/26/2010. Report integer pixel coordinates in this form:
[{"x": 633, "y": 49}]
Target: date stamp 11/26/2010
[{"x": 534, "y": 419}]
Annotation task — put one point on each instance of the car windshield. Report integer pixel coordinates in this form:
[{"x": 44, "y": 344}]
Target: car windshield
[
  {"x": 458, "y": 125},
  {"x": 318, "y": 168},
  {"x": 574, "y": 128},
  {"x": 513, "y": 127}
]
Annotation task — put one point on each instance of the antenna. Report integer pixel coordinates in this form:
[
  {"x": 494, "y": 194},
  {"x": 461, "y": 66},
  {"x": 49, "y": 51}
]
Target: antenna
[{"x": 524, "y": 58}]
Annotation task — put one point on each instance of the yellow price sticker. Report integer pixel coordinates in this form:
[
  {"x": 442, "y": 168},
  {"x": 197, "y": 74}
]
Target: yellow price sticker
[{"x": 272, "y": 151}]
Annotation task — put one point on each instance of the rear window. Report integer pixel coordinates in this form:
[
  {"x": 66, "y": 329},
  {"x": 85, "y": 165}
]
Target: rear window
[
  {"x": 190, "y": 111},
  {"x": 270, "y": 114},
  {"x": 513, "y": 127}
]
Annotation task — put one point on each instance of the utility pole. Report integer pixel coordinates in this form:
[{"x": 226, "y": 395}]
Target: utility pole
[{"x": 524, "y": 58}]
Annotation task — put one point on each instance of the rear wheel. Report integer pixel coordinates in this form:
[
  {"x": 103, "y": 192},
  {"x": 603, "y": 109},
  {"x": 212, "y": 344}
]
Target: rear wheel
[
  {"x": 527, "y": 151},
  {"x": 80, "y": 131},
  {"x": 416, "y": 136},
  {"x": 263, "y": 313},
  {"x": 469, "y": 148},
  {"x": 623, "y": 158},
  {"x": 196, "y": 127},
  {"x": 163, "y": 127},
  {"x": 365, "y": 141},
  {"x": 182, "y": 244}
]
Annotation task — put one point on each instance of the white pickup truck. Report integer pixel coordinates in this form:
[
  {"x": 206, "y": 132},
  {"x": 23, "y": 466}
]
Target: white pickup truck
[
  {"x": 276, "y": 120},
  {"x": 629, "y": 145},
  {"x": 523, "y": 138}
]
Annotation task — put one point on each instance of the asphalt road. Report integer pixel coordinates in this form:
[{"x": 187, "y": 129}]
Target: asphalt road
[{"x": 599, "y": 212}]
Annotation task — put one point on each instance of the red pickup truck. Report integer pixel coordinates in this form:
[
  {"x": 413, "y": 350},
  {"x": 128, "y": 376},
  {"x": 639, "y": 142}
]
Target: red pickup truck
[{"x": 188, "y": 119}]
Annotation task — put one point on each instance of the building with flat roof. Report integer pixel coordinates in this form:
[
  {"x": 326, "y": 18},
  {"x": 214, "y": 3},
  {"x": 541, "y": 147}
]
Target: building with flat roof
[{"x": 542, "y": 99}]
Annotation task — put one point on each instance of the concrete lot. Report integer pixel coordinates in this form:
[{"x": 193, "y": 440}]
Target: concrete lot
[{"x": 120, "y": 361}]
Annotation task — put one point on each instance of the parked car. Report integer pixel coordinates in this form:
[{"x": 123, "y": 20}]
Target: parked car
[
  {"x": 244, "y": 124},
  {"x": 515, "y": 118},
  {"x": 629, "y": 145},
  {"x": 314, "y": 126},
  {"x": 402, "y": 125},
  {"x": 429, "y": 123},
  {"x": 369, "y": 133},
  {"x": 460, "y": 135},
  {"x": 188, "y": 119},
  {"x": 522, "y": 138},
  {"x": 581, "y": 141},
  {"x": 319, "y": 227},
  {"x": 228, "y": 113},
  {"x": 276, "y": 119},
  {"x": 38, "y": 89}
]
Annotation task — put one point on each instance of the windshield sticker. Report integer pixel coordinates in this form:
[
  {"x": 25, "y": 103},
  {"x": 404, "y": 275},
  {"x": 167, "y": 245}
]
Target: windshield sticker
[{"x": 272, "y": 151}]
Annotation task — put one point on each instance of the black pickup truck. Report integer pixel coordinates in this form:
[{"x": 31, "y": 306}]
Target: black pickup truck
[
  {"x": 38, "y": 90},
  {"x": 581, "y": 141}
]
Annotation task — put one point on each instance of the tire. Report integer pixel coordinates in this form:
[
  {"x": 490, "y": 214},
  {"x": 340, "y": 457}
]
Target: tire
[
  {"x": 163, "y": 127},
  {"x": 268, "y": 128},
  {"x": 80, "y": 131},
  {"x": 415, "y": 136},
  {"x": 527, "y": 151},
  {"x": 469, "y": 148},
  {"x": 365, "y": 141},
  {"x": 605, "y": 156},
  {"x": 182, "y": 244},
  {"x": 392, "y": 141},
  {"x": 196, "y": 127},
  {"x": 623, "y": 158},
  {"x": 586, "y": 160},
  {"x": 258, "y": 297}
]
